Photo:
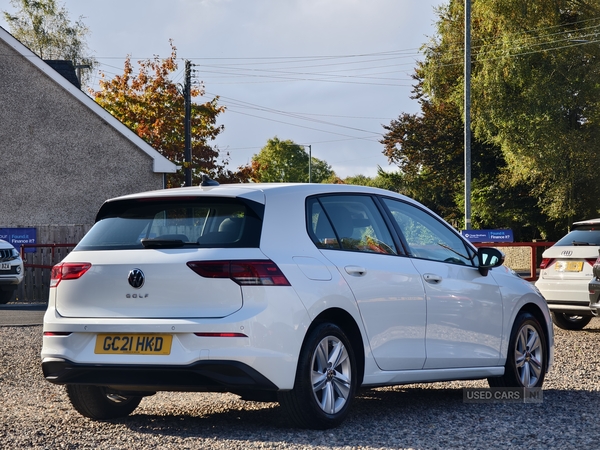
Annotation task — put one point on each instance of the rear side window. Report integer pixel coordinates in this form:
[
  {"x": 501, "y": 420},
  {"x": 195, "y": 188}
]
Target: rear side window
[
  {"x": 349, "y": 222},
  {"x": 172, "y": 223},
  {"x": 585, "y": 235}
]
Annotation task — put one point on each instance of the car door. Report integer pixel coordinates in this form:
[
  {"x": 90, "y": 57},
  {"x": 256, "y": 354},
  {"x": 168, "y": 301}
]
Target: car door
[
  {"x": 352, "y": 233},
  {"x": 464, "y": 308}
]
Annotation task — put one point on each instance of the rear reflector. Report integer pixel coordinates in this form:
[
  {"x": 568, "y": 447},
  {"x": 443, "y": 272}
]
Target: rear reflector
[
  {"x": 67, "y": 271},
  {"x": 244, "y": 273},
  {"x": 228, "y": 334},
  {"x": 57, "y": 333}
]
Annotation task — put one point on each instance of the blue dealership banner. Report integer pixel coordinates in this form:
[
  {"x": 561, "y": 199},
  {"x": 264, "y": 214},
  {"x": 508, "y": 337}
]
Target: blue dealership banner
[
  {"x": 18, "y": 236},
  {"x": 488, "y": 235}
]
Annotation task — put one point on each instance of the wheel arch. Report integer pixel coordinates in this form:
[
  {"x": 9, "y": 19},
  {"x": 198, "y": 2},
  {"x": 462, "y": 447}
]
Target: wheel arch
[
  {"x": 545, "y": 322},
  {"x": 347, "y": 323}
]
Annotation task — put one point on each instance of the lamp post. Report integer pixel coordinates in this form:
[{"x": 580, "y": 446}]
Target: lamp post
[
  {"x": 309, "y": 162},
  {"x": 467, "y": 99}
]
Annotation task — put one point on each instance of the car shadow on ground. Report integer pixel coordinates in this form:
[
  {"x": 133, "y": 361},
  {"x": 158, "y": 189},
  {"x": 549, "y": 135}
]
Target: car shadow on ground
[{"x": 398, "y": 417}]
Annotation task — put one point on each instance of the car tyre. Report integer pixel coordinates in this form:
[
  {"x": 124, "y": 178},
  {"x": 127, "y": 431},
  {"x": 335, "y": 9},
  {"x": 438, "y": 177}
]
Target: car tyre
[
  {"x": 526, "y": 363},
  {"x": 97, "y": 402},
  {"x": 570, "y": 321},
  {"x": 325, "y": 380},
  {"x": 6, "y": 296}
]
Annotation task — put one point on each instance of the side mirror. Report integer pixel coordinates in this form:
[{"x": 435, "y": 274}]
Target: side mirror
[{"x": 489, "y": 257}]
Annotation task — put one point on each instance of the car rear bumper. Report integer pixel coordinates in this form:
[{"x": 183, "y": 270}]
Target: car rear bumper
[
  {"x": 564, "y": 292},
  {"x": 577, "y": 308},
  {"x": 264, "y": 339},
  {"x": 566, "y": 296},
  {"x": 201, "y": 376}
]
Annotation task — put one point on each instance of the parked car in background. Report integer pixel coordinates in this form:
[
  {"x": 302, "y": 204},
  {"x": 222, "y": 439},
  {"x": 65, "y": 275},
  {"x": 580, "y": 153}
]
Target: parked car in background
[
  {"x": 297, "y": 293},
  {"x": 565, "y": 274},
  {"x": 11, "y": 271}
]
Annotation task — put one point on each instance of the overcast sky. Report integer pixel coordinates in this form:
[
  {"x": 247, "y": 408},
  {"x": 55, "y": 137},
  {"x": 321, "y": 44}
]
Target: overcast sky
[{"x": 324, "y": 73}]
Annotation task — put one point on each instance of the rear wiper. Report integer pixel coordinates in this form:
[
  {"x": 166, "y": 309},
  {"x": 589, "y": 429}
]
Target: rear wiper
[
  {"x": 163, "y": 243},
  {"x": 580, "y": 243}
]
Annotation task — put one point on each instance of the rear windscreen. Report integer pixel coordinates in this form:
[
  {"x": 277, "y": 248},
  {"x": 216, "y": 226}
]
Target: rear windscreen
[
  {"x": 173, "y": 223},
  {"x": 585, "y": 235}
]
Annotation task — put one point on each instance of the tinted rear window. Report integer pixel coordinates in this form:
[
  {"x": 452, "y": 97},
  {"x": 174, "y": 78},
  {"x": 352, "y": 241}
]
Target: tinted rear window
[
  {"x": 585, "y": 235},
  {"x": 172, "y": 223}
]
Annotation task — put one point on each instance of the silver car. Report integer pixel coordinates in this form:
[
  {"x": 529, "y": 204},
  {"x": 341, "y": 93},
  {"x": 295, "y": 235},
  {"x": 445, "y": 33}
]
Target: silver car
[{"x": 11, "y": 271}]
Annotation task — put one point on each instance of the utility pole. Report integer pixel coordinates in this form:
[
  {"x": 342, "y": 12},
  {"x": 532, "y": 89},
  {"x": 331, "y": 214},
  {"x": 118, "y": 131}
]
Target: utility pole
[
  {"x": 467, "y": 99},
  {"x": 187, "y": 121}
]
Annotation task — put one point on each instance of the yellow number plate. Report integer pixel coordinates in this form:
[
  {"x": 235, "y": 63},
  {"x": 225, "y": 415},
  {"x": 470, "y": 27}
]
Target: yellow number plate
[
  {"x": 574, "y": 266},
  {"x": 133, "y": 344}
]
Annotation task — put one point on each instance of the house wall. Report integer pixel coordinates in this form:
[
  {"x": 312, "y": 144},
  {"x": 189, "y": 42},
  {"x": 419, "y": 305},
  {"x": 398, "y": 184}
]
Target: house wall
[{"x": 59, "y": 160}]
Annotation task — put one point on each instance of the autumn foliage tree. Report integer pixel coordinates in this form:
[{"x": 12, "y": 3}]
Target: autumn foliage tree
[{"x": 153, "y": 106}]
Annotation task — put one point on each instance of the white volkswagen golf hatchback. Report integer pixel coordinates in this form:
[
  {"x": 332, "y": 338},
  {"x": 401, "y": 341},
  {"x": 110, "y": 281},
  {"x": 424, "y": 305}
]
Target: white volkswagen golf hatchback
[{"x": 297, "y": 293}]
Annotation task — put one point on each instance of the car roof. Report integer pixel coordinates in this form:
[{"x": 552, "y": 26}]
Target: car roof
[
  {"x": 588, "y": 222},
  {"x": 258, "y": 192},
  {"x": 249, "y": 190}
]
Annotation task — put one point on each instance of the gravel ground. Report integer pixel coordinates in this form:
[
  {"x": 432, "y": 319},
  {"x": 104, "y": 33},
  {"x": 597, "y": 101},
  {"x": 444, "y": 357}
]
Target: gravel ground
[{"x": 37, "y": 414}]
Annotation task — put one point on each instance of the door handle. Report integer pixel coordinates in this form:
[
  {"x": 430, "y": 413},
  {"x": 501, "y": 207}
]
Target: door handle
[
  {"x": 356, "y": 271},
  {"x": 432, "y": 278}
]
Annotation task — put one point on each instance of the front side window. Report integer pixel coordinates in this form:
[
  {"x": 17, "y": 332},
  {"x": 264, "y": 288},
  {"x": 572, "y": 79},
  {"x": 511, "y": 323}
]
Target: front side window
[
  {"x": 427, "y": 237},
  {"x": 172, "y": 223},
  {"x": 349, "y": 222}
]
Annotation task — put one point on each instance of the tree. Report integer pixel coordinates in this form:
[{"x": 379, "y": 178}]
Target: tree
[
  {"x": 392, "y": 181},
  {"x": 152, "y": 105},
  {"x": 287, "y": 162},
  {"x": 47, "y": 30},
  {"x": 535, "y": 93},
  {"x": 428, "y": 149}
]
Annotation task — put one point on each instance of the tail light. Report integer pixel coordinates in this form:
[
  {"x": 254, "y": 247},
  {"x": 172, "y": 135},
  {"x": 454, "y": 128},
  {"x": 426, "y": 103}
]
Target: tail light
[
  {"x": 546, "y": 262},
  {"x": 244, "y": 273},
  {"x": 67, "y": 271}
]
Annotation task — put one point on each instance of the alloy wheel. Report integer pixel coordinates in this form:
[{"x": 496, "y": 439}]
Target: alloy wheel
[
  {"x": 528, "y": 356},
  {"x": 331, "y": 375}
]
